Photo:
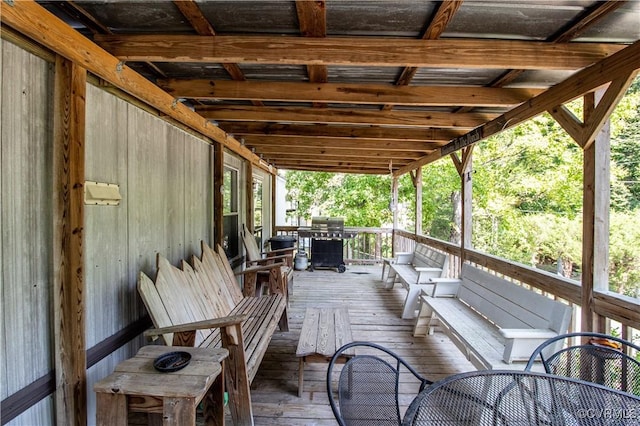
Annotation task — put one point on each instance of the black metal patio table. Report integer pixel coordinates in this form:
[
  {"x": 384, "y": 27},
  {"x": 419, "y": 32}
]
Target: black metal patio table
[{"x": 497, "y": 397}]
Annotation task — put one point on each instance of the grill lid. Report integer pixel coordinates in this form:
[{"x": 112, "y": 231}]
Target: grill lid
[{"x": 327, "y": 224}]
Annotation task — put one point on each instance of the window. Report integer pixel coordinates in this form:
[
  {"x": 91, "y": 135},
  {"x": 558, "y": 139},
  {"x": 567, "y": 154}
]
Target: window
[
  {"x": 257, "y": 210},
  {"x": 231, "y": 237}
]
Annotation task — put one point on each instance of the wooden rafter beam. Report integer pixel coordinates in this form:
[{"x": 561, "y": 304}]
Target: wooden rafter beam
[
  {"x": 191, "y": 11},
  {"x": 345, "y": 116},
  {"x": 446, "y": 10},
  {"x": 312, "y": 18},
  {"x": 494, "y": 54},
  {"x": 347, "y": 93},
  {"x": 362, "y": 162},
  {"x": 340, "y": 132},
  {"x": 622, "y": 65},
  {"x": 338, "y": 152},
  {"x": 345, "y": 168},
  {"x": 584, "y": 21},
  {"x": 345, "y": 132},
  {"x": 590, "y": 16},
  {"x": 341, "y": 143}
]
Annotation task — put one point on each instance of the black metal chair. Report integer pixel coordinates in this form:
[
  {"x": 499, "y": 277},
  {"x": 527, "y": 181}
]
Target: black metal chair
[
  {"x": 367, "y": 387},
  {"x": 598, "y": 358},
  {"x": 522, "y": 398}
]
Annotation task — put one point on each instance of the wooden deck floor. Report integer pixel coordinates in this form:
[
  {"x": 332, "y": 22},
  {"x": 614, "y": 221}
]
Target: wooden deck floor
[{"x": 375, "y": 316}]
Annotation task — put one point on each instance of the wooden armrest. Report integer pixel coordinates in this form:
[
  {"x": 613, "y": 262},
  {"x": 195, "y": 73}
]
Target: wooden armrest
[
  {"x": 270, "y": 259},
  {"x": 282, "y": 250},
  {"x": 199, "y": 325},
  {"x": 254, "y": 269}
]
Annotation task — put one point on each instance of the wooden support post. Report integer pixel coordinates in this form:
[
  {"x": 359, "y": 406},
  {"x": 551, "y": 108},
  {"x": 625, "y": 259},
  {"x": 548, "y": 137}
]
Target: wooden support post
[
  {"x": 596, "y": 203},
  {"x": 218, "y": 193},
  {"x": 417, "y": 183},
  {"x": 249, "y": 198},
  {"x": 394, "y": 210},
  {"x": 69, "y": 273},
  {"x": 274, "y": 186},
  {"x": 464, "y": 168},
  {"x": 467, "y": 196}
]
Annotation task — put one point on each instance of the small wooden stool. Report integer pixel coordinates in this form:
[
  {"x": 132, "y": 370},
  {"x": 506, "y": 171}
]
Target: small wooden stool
[
  {"x": 324, "y": 331},
  {"x": 168, "y": 398}
]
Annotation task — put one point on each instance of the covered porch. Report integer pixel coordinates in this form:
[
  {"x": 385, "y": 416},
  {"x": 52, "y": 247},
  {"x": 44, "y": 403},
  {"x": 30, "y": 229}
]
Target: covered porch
[{"x": 118, "y": 97}]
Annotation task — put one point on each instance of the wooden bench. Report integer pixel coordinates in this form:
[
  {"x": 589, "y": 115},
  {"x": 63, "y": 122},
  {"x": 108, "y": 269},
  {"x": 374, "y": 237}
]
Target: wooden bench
[
  {"x": 413, "y": 271},
  {"x": 201, "y": 304},
  {"x": 492, "y": 321},
  {"x": 324, "y": 331}
]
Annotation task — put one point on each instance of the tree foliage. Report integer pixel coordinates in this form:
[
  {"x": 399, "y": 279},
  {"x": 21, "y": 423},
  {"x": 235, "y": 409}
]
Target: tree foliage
[{"x": 527, "y": 195}]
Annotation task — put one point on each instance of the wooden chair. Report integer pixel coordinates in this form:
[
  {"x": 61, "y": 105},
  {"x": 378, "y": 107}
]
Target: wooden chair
[{"x": 257, "y": 257}]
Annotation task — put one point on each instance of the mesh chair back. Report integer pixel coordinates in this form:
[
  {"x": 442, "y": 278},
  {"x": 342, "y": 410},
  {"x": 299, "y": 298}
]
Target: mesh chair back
[
  {"x": 367, "y": 392},
  {"x": 518, "y": 398},
  {"x": 367, "y": 387},
  {"x": 614, "y": 367}
]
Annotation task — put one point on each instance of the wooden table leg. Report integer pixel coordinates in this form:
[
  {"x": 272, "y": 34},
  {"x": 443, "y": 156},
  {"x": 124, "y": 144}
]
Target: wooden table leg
[
  {"x": 213, "y": 403},
  {"x": 111, "y": 409},
  {"x": 300, "y": 376}
]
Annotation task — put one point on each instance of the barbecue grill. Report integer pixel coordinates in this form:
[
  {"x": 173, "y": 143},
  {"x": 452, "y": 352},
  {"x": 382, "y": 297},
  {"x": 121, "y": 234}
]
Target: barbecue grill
[{"x": 327, "y": 239}]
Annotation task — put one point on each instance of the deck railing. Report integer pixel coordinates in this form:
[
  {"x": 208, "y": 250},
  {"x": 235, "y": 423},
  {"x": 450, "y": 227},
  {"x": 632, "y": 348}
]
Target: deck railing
[{"x": 372, "y": 245}]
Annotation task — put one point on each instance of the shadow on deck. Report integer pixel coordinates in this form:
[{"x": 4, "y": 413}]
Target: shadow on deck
[{"x": 375, "y": 316}]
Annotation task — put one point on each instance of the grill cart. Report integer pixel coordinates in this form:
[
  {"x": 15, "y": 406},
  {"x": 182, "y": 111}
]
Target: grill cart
[{"x": 327, "y": 241}]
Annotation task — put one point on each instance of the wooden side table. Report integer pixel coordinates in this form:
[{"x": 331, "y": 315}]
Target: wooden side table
[
  {"x": 324, "y": 331},
  {"x": 168, "y": 398}
]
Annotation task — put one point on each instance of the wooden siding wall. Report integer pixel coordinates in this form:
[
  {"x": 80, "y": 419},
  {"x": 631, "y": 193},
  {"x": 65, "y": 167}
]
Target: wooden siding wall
[
  {"x": 27, "y": 225},
  {"x": 164, "y": 175},
  {"x": 165, "y": 179}
]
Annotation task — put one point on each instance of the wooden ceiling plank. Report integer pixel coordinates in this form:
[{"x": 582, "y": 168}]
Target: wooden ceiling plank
[
  {"x": 344, "y": 116},
  {"x": 350, "y": 93},
  {"x": 459, "y": 53},
  {"x": 191, "y": 11},
  {"x": 340, "y": 131},
  {"x": 363, "y": 144}
]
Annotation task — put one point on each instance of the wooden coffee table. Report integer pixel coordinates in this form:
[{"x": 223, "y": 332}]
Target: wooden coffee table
[{"x": 324, "y": 331}]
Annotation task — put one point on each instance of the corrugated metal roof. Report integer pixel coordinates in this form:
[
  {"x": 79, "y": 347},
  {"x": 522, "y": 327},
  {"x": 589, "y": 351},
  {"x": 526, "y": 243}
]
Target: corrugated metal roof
[{"x": 530, "y": 21}]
